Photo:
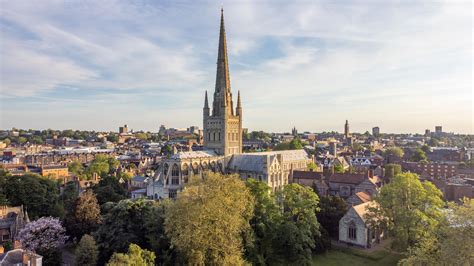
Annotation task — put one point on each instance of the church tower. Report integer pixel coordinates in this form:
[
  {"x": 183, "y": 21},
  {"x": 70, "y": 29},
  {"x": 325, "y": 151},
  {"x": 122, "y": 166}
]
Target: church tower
[{"x": 222, "y": 126}]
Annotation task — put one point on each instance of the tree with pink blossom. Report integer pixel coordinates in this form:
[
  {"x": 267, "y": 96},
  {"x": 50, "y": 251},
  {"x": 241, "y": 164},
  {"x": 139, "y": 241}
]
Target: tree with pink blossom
[{"x": 44, "y": 236}]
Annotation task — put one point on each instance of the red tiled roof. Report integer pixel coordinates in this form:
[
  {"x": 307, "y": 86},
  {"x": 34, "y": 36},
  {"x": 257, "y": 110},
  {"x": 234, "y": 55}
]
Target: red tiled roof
[{"x": 364, "y": 197}]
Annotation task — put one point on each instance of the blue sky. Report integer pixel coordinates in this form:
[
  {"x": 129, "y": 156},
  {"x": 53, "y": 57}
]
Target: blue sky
[{"x": 398, "y": 65}]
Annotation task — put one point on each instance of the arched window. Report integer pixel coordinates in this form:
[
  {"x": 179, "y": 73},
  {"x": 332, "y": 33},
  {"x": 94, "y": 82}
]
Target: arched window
[
  {"x": 185, "y": 173},
  {"x": 204, "y": 166},
  {"x": 195, "y": 168},
  {"x": 214, "y": 136},
  {"x": 352, "y": 231},
  {"x": 175, "y": 175},
  {"x": 219, "y": 136},
  {"x": 165, "y": 169},
  {"x": 209, "y": 136}
]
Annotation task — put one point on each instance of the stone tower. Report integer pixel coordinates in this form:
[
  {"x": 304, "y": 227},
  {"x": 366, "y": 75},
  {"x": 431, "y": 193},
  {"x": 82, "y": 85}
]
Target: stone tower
[
  {"x": 346, "y": 130},
  {"x": 223, "y": 126}
]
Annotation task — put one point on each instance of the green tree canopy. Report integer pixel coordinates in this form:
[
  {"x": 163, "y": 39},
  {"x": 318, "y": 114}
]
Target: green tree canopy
[
  {"x": 124, "y": 223},
  {"x": 207, "y": 219},
  {"x": 332, "y": 208},
  {"x": 135, "y": 256},
  {"x": 264, "y": 223},
  {"x": 86, "y": 251},
  {"x": 412, "y": 209},
  {"x": 296, "y": 235},
  {"x": 419, "y": 155},
  {"x": 454, "y": 242},
  {"x": 109, "y": 189},
  {"x": 85, "y": 216},
  {"x": 40, "y": 196},
  {"x": 393, "y": 154},
  {"x": 392, "y": 169}
]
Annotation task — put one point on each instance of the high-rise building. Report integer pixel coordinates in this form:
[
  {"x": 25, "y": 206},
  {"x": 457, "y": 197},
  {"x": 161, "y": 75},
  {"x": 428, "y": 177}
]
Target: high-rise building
[
  {"x": 375, "y": 131},
  {"x": 427, "y": 132},
  {"x": 438, "y": 130},
  {"x": 223, "y": 125},
  {"x": 123, "y": 130}
]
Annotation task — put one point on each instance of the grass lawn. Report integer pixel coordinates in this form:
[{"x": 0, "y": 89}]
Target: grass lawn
[{"x": 347, "y": 257}]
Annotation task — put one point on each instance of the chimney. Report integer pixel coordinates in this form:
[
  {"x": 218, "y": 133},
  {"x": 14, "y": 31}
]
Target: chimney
[{"x": 370, "y": 173}]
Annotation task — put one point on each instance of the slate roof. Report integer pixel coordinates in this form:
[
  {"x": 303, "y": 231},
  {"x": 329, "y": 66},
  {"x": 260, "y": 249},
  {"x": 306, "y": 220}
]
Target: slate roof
[
  {"x": 347, "y": 178},
  {"x": 307, "y": 175},
  {"x": 193, "y": 154}
]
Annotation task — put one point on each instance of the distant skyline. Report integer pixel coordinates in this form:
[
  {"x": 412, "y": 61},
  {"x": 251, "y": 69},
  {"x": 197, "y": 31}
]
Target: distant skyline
[{"x": 97, "y": 65}]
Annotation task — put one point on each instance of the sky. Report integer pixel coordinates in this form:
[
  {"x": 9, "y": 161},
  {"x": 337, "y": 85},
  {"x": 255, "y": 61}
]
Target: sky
[{"x": 404, "y": 66}]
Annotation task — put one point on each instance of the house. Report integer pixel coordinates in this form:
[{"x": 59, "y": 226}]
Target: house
[
  {"x": 311, "y": 179},
  {"x": 355, "y": 228},
  {"x": 12, "y": 220},
  {"x": 20, "y": 257},
  {"x": 138, "y": 193},
  {"x": 359, "y": 198},
  {"x": 139, "y": 181},
  {"x": 347, "y": 184}
]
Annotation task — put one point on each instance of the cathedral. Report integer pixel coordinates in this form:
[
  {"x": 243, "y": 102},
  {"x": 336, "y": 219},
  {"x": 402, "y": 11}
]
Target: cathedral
[{"x": 223, "y": 144}]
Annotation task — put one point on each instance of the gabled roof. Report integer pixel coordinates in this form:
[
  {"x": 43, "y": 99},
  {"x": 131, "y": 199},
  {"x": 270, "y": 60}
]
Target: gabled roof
[
  {"x": 347, "y": 178},
  {"x": 307, "y": 175},
  {"x": 362, "y": 209},
  {"x": 364, "y": 197}
]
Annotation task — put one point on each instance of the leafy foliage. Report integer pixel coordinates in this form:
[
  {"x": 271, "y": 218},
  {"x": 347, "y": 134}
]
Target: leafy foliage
[
  {"x": 453, "y": 244},
  {"x": 39, "y": 195},
  {"x": 86, "y": 251},
  {"x": 44, "y": 236},
  {"x": 206, "y": 221},
  {"x": 135, "y": 256},
  {"x": 412, "y": 209},
  {"x": 419, "y": 155},
  {"x": 393, "y": 154},
  {"x": 124, "y": 223},
  {"x": 332, "y": 208},
  {"x": 264, "y": 223},
  {"x": 392, "y": 170},
  {"x": 296, "y": 234},
  {"x": 85, "y": 216},
  {"x": 109, "y": 189}
]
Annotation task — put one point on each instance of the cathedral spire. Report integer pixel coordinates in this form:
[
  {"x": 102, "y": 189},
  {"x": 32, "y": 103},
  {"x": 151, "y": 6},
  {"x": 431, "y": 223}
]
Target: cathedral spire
[
  {"x": 238, "y": 110},
  {"x": 206, "y": 102},
  {"x": 222, "y": 76}
]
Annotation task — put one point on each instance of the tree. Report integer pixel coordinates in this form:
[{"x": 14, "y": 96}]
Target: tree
[
  {"x": 69, "y": 196},
  {"x": 392, "y": 170},
  {"x": 296, "y": 235},
  {"x": 393, "y": 154},
  {"x": 264, "y": 223},
  {"x": 7, "y": 141},
  {"x": 338, "y": 168},
  {"x": 296, "y": 144},
  {"x": 21, "y": 140},
  {"x": 86, "y": 215},
  {"x": 412, "y": 209},
  {"x": 86, "y": 251},
  {"x": 142, "y": 136},
  {"x": 453, "y": 244},
  {"x": 109, "y": 189},
  {"x": 39, "y": 195},
  {"x": 124, "y": 223},
  {"x": 207, "y": 219},
  {"x": 312, "y": 166},
  {"x": 332, "y": 208},
  {"x": 112, "y": 138},
  {"x": 44, "y": 236},
  {"x": 76, "y": 168},
  {"x": 135, "y": 256},
  {"x": 419, "y": 155}
]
